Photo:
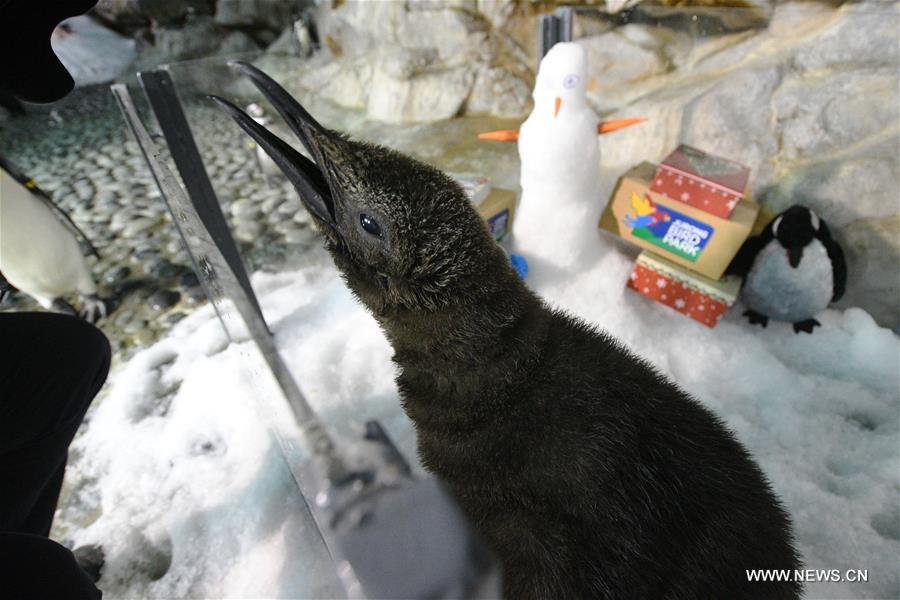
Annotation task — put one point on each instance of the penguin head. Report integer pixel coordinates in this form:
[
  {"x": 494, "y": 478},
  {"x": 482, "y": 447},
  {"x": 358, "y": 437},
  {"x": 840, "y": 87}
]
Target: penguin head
[
  {"x": 794, "y": 229},
  {"x": 403, "y": 234},
  {"x": 561, "y": 80}
]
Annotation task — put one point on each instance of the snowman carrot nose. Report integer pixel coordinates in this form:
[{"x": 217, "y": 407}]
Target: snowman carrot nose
[{"x": 556, "y": 106}]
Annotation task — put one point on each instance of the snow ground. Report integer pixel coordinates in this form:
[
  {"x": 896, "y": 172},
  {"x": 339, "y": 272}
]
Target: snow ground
[{"x": 180, "y": 478}]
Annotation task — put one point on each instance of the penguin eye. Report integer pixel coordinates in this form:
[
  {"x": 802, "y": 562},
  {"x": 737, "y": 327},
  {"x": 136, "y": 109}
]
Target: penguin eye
[
  {"x": 370, "y": 225},
  {"x": 571, "y": 81},
  {"x": 814, "y": 220}
]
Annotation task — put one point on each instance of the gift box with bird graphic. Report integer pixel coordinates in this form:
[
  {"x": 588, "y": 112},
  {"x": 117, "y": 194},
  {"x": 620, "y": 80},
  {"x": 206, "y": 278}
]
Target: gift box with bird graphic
[
  {"x": 683, "y": 234},
  {"x": 496, "y": 206},
  {"x": 703, "y": 299},
  {"x": 712, "y": 184}
]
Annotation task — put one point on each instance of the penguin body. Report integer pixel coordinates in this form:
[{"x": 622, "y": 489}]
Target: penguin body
[
  {"x": 560, "y": 162},
  {"x": 792, "y": 271},
  {"x": 776, "y": 289},
  {"x": 39, "y": 255},
  {"x": 587, "y": 472}
]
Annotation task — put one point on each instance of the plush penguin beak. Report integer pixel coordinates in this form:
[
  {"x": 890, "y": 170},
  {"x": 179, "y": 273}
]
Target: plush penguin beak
[
  {"x": 795, "y": 253},
  {"x": 306, "y": 175}
]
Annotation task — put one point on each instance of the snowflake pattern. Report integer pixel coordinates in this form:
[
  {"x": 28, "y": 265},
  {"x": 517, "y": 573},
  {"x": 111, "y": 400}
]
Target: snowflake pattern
[
  {"x": 710, "y": 197},
  {"x": 686, "y": 299}
]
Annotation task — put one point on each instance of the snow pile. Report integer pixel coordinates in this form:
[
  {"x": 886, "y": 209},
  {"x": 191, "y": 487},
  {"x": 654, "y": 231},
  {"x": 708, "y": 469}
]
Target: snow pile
[{"x": 181, "y": 481}]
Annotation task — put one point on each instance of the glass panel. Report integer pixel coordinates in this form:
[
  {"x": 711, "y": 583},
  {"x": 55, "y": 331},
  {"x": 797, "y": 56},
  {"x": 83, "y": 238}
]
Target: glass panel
[{"x": 177, "y": 472}]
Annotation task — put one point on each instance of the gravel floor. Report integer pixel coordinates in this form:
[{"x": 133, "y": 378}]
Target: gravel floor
[{"x": 81, "y": 153}]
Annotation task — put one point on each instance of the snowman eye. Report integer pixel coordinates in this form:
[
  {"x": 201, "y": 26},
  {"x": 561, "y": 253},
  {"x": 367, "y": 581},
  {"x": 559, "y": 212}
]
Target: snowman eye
[{"x": 571, "y": 81}]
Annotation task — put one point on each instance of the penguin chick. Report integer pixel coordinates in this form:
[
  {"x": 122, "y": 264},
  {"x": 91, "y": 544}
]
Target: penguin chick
[
  {"x": 587, "y": 472},
  {"x": 792, "y": 270},
  {"x": 40, "y": 256}
]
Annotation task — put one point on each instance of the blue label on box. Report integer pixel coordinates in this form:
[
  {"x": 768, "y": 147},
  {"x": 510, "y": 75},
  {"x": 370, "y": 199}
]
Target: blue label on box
[
  {"x": 498, "y": 223},
  {"x": 668, "y": 229}
]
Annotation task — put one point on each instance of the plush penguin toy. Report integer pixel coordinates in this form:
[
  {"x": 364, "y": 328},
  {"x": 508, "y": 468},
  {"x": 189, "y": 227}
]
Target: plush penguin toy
[{"x": 791, "y": 271}]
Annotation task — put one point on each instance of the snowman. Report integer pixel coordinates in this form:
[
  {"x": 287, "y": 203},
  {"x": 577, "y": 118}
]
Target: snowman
[{"x": 556, "y": 222}]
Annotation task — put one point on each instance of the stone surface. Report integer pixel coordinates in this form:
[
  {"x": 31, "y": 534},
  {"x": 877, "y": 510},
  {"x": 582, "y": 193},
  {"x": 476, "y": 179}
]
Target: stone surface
[
  {"x": 270, "y": 14},
  {"x": 197, "y": 37},
  {"x": 430, "y": 96},
  {"x": 163, "y": 299},
  {"x": 872, "y": 274},
  {"x": 728, "y": 118},
  {"x": 498, "y": 92}
]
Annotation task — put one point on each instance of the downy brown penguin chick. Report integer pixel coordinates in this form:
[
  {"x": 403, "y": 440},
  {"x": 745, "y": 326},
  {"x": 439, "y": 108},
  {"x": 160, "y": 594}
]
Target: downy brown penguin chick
[{"x": 587, "y": 472}]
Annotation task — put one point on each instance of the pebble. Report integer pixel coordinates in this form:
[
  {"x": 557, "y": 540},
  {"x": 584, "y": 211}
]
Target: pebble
[
  {"x": 134, "y": 325},
  {"x": 84, "y": 193},
  {"x": 145, "y": 337},
  {"x": 162, "y": 299},
  {"x": 194, "y": 296},
  {"x": 116, "y": 275},
  {"x": 298, "y": 236},
  {"x": 174, "y": 317},
  {"x": 271, "y": 204},
  {"x": 247, "y": 232},
  {"x": 165, "y": 269},
  {"x": 244, "y": 209},
  {"x": 188, "y": 280},
  {"x": 136, "y": 226}
]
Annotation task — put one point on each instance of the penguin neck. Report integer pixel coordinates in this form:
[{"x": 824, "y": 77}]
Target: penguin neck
[
  {"x": 450, "y": 359},
  {"x": 467, "y": 329}
]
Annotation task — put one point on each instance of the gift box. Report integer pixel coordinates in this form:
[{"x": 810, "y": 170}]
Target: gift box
[
  {"x": 687, "y": 236},
  {"x": 710, "y": 183},
  {"x": 496, "y": 206},
  {"x": 703, "y": 299}
]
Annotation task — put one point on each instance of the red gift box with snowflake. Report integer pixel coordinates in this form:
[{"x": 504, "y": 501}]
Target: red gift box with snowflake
[
  {"x": 703, "y": 299},
  {"x": 704, "y": 181}
]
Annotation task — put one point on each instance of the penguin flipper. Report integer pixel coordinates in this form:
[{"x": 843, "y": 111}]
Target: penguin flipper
[
  {"x": 808, "y": 325},
  {"x": 838, "y": 268},
  {"x": 743, "y": 260},
  {"x": 838, "y": 262}
]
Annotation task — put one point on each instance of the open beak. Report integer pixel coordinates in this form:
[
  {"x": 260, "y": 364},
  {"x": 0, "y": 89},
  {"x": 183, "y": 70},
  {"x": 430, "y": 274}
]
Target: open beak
[
  {"x": 556, "y": 106},
  {"x": 795, "y": 253},
  {"x": 306, "y": 175}
]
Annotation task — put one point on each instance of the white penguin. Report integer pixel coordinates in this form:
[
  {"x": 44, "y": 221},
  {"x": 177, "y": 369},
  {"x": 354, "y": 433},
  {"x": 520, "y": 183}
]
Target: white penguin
[
  {"x": 560, "y": 162},
  {"x": 39, "y": 255}
]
